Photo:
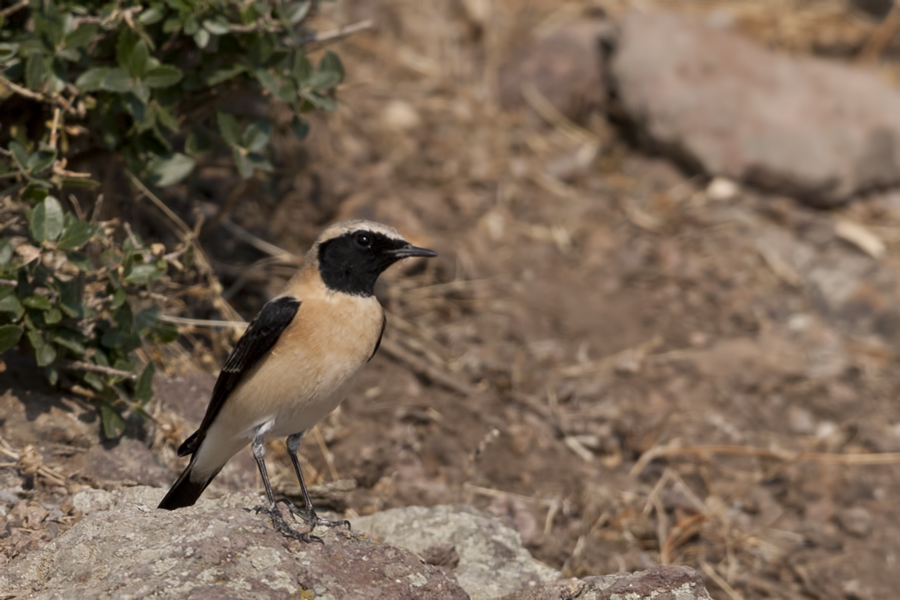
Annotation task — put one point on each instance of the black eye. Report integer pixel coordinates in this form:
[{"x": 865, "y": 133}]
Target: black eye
[{"x": 363, "y": 240}]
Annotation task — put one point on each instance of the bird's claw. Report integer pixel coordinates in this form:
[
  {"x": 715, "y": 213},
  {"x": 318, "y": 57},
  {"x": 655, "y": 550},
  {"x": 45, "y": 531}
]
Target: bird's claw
[
  {"x": 314, "y": 519},
  {"x": 282, "y": 526}
]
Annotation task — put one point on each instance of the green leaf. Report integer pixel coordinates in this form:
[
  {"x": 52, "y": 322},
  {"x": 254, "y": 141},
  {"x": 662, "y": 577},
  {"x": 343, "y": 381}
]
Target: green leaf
[
  {"x": 191, "y": 26},
  {"x": 201, "y": 38},
  {"x": 320, "y": 101},
  {"x": 297, "y": 12},
  {"x": 11, "y": 304},
  {"x": 71, "y": 340},
  {"x": 268, "y": 81},
  {"x": 94, "y": 380},
  {"x": 330, "y": 73},
  {"x": 52, "y": 374},
  {"x": 81, "y": 36},
  {"x": 141, "y": 91},
  {"x": 8, "y": 51},
  {"x": 49, "y": 24},
  {"x": 47, "y": 220},
  {"x": 256, "y": 136},
  {"x": 113, "y": 338},
  {"x": 6, "y": 251},
  {"x": 137, "y": 60},
  {"x": 164, "y": 332},
  {"x": 44, "y": 352},
  {"x": 118, "y": 298},
  {"x": 219, "y": 75},
  {"x": 165, "y": 118},
  {"x": 40, "y": 161},
  {"x": 53, "y": 316},
  {"x": 125, "y": 44},
  {"x": 229, "y": 128},
  {"x": 77, "y": 235},
  {"x": 146, "y": 318},
  {"x": 78, "y": 182},
  {"x": 19, "y": 154},
  {"x": 143, "y": 273},
  {"x": 113, "y": 423},
  {"x": 81, "y": 262},
  {"x": 38, "y": 302},
  {"x": 92, "y": 79},
  {"x": 169, "y": 170},
  {"x": 9, "y": 337},
  {"x": 245, "y": 167},
  {"x": 260, "y": 162},
  {"x": 217, "y": 25},
  {"x": 197, "y": 142},
  {"x": 117, "y": 80},
  {"x": 150, "y": 16},
  {"x": 302, "y": 69},
  {"x": 163, "y": 76},
  {"x": 35, "y": 71},
  {"x": 143, "y": 389}
]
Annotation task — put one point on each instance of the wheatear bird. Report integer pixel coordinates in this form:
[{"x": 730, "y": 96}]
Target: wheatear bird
[{"x": 287, "y": 370}]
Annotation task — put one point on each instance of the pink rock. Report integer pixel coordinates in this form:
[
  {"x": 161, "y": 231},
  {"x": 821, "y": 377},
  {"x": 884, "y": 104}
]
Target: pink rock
[{"x": 818, "y": 130}]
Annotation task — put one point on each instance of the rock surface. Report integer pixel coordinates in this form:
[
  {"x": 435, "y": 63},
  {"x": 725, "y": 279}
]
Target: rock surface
[
  {"x": 671, "y": 583},
  {"x": 813, "y": 129},
  {"x": 490, "y": 558},
  {"x": 127, "y": 548},
  {"x": 566, "y": 67}
]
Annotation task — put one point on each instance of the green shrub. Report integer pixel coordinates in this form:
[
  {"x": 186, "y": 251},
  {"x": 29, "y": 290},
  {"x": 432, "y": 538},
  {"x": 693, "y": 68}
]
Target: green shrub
[{"x": 150, "y": 85}]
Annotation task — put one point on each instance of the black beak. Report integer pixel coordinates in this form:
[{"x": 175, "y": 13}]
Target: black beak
[{"x": 409, "y": 251}]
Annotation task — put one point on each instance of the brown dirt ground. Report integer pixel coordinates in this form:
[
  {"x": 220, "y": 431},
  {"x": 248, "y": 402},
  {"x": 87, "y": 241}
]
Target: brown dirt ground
[{"x": 626, "y": 369}]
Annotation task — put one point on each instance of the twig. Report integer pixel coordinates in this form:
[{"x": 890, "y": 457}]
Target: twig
[
  {"x": 185, "y": 230},
  {"x": 546, "y": 109},
  {"x": 323, "y": 448},
  {"x": 327, "y": 36},
  {"x": 719, "y": 581},
  {"x": 258, "y": 243},
  {"x": 881, "y": 37},
  {"x": 202, "y": 322},
  {"x": 11, "y": 9},
  {"x": 21, "y": 90},
  {"x": 54, "y": 129},
  {"x": 494, "y": 493},
  {"x": 8, "y": 283},
  {"x": 673, "y": 449},
  {"x": 89, "y": 368},
  {"x": 50, "y": 473},
  {"x": 189, "y": 236},
  {"x": 423, "y": 369}
]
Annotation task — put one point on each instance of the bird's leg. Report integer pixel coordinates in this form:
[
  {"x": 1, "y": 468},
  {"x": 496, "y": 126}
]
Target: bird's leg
[
  {"x": 281, "y": 526},
  {"x": 259, "y": 453},
  {"x": 309, "y": 515}
]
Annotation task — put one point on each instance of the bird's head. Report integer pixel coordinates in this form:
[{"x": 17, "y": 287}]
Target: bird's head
[{"x": 352, "y": 254}]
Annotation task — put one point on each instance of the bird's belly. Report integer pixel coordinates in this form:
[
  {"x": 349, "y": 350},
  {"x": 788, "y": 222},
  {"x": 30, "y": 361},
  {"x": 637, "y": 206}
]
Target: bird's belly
[{"x": 303, "y": 377}]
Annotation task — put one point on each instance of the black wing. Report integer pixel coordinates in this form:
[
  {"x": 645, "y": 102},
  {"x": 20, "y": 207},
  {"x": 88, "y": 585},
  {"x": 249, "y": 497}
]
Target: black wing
[
  {"x": 380, "y": 335},
  {"x": 261, "y": 335}
]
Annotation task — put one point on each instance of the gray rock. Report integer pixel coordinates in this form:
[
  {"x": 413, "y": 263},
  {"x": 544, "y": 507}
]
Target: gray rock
[
  {"x": 674, "y": 583},
  {"x": 215, "y": 549},
  {"x": 491, "y": 561},
  {"x": 817, "y": 130}
]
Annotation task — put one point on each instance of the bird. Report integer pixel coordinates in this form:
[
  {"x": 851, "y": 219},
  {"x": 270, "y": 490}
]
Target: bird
[{"x": 289, "y": 368}]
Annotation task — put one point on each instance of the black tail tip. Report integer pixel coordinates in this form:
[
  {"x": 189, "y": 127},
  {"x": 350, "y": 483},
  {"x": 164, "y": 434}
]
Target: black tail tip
[{"x": 183, "y": 493}]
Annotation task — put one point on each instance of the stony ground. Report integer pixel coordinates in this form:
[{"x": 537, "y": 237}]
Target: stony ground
[{"x": 632, "y": 364}]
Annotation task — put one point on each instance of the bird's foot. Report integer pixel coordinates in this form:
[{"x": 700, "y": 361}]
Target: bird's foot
[
  {"x": 313, "y": 519},
  {"x": 283, "y": 527}
]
